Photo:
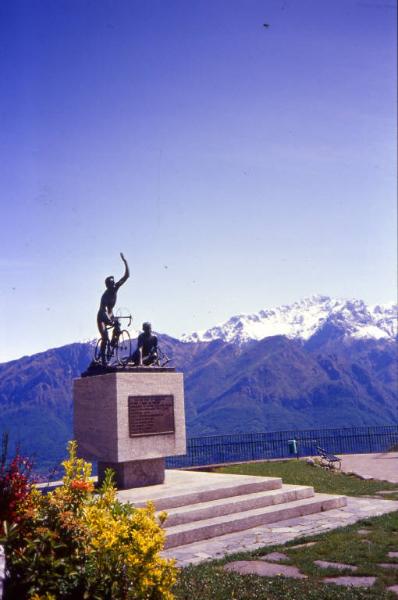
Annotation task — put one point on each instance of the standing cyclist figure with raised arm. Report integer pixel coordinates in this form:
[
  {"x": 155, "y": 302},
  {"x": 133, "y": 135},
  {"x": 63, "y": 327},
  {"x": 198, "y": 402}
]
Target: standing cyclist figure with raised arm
[{"x": 108, "y": 300}]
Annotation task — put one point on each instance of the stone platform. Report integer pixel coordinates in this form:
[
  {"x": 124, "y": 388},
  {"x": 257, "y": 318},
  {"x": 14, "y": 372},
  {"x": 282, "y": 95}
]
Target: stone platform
[{"x": 203, "y": 506}]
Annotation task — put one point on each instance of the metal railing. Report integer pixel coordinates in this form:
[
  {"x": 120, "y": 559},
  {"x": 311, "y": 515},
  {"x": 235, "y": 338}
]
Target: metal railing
[{"x": 242, "y": 447}]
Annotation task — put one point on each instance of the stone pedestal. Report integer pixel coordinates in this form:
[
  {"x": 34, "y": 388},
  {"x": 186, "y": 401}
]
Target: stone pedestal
[
  {"x": 134, "y": 473},
  {"x": 130, "y": 421}
]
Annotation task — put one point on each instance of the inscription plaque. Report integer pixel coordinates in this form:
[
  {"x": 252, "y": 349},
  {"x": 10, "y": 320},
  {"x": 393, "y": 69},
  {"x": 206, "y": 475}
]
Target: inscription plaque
[{"x": 151, "y": 415}]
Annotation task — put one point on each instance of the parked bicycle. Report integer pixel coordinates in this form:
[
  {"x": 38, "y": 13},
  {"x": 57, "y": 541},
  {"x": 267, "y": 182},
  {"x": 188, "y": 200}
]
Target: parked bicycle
[
  {"x": 162, "y": 359},
  {"x": 118, "y": 346}
]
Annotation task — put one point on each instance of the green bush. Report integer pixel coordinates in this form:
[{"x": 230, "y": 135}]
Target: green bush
[{"x": 72, "y": 543}]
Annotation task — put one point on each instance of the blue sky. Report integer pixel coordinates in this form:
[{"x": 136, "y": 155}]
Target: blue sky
[{"x": 237, "y": 167}]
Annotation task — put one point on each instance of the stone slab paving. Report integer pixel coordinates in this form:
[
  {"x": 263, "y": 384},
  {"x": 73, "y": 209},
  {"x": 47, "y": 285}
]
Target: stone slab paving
[
  {"x": 393, "y": 588},
  {"x": 372, "y": 466},
  {"x": 282, "y": 532},
  {"x": 258, "y": 567},
  {"x": 392, "y": 554},
  {"x": 275, "y": 557},
  {"x": 351, "y": 580},
  {"x": 326, "y": 564}
]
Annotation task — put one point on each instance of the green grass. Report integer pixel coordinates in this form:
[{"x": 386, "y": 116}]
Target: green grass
[
  {"x": 209, "y": 581},
  {"x": 323, "y": 480},
  {"x": 345, "y": 545}
]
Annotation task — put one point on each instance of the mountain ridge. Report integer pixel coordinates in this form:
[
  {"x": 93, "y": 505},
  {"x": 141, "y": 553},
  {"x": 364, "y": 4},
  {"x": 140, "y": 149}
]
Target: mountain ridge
[
  {"x": 305, "y": 318},
  {"x": 330, "y": 379}
]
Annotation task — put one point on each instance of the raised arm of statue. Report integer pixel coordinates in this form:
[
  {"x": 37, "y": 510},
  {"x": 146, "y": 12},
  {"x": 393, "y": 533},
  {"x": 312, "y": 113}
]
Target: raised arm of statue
[{"x": 126, "y": 272}]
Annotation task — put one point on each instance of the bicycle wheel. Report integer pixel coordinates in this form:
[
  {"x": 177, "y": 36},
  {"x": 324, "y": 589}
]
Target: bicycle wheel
[
  {"x": 163, "y": 359},
  {"x": 111, "y": 354},
  {"x": 108, "y": 353},
  {"x": 123, "y": 348},
  {"x": 97, "y": 351}
]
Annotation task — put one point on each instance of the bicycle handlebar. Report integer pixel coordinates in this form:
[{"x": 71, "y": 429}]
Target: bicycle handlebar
[{"x": 116, "y": 318}]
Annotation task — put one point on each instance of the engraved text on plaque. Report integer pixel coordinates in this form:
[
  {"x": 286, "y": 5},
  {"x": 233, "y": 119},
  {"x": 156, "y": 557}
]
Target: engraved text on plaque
[{"x": 151, "y": 415}]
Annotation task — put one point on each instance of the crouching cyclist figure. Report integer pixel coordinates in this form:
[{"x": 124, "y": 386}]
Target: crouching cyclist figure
[{"x": 147, "y": 347}]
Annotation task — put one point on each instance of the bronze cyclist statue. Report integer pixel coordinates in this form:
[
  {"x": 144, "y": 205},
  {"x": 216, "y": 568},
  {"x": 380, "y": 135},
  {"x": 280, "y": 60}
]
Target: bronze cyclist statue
[{"x": 105, "y": 316}]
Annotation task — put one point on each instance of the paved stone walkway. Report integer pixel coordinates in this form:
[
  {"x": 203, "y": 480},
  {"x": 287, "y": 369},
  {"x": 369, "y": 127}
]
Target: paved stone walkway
[
  {"x": 347, "y": 580},
  {"x": 264, "y": 569},
  {"x": 393, "y": 588},
  {"x": 372, "y": 466},
  {"x": 268, "y": 568},
  {"x": 282, "y": 532},
  {"x": 275, "y": 557},
  {"x": 327, "y": 564}
]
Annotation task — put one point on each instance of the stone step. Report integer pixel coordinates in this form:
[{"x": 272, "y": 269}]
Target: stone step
[
  {"x": 217, "y": 526},
  {"x": 236, "y": 504},
  {"x": 198, "y": 488}
]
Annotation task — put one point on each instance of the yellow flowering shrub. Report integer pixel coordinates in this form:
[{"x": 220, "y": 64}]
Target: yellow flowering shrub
[{"x": 75, "y": 543}]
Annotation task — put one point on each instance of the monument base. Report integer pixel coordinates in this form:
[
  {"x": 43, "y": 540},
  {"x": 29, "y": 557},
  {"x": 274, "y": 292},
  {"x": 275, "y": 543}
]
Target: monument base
[
  {"x": 134, "y": 473},
  {"x": 130, "y": 421}
]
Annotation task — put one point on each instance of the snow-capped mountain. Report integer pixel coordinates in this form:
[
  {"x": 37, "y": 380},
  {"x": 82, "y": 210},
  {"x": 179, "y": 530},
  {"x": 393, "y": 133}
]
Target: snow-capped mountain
[{"x": 305, "y": 318}]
